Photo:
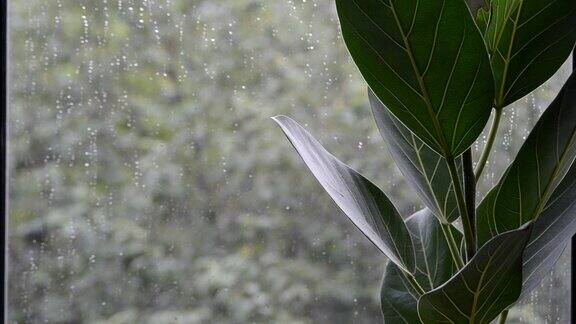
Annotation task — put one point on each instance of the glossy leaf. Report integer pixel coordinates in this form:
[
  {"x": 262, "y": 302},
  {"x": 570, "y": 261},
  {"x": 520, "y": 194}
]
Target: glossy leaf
[
  {"x": 427, "y": 62},
  {"x": 528, "y": 41},
  {"x": 424, "y": 169},
  {"x": 540, "y": 165},
  {"x": 434, "y": 266},
  {"x": 487, "y": 285},
  {"x": 551, "y": 233},
  {"x": 362, "y": 201}
]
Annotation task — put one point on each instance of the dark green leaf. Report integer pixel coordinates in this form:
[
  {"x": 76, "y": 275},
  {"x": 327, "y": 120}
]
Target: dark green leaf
[
  {"x": 551, "y": 233},
  {"x": 427, "y": 62},
  {"x": 434, "y": 266},
  {"x": 528, "y": 41},
  {"x": 398, "y": 300},
  {"x": 424, "y": 169},
  {"x": 364, "y": 204},
  {"x": 486, "y": 286},
  {"x": 539, "y": 167}
]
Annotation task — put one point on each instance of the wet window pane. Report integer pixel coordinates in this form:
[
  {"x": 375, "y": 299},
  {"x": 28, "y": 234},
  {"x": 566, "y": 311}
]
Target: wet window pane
[{"x": 148, "y": 184}]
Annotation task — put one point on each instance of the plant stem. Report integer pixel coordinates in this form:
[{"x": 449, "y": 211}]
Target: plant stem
[
  {"x": 503, "y": 317},
  {"x": 488, "y": 147},
  {"x": 452, "y": 246},
  {"x": 462, "y": 208},
  {"x": 470, "y": 190}
]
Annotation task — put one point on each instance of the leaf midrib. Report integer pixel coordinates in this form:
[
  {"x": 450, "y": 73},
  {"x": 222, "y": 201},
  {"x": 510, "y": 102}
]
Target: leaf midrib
[
  {"x": 421, "y": 83},
  {"x": 549, "y": 186},
  {"x": 500, "y": 100},
  {"x": 478, "y": 289},
  {"x": 480, "y": 286},
  {"x": 428, "y": 181}
]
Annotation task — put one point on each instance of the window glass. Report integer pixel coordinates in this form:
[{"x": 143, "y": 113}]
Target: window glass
[{"x": 148, "y": 184}]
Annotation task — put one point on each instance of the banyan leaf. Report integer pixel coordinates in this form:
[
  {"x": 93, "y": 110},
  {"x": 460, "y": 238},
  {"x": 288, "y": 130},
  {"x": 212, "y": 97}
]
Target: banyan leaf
[
  {"x": 427, "y": 62},
  {"x": 434, "y": 266},
  {"x": 551, "y": 233},
  {"x": 490, "y": 283},
  {"x": 362, "y": 201},
  {"x": 528, "y": 41},
  {"x": 425, "y": 170},
  {"x": 398, "y": 300},
  {"x": 540, "y": 165}
]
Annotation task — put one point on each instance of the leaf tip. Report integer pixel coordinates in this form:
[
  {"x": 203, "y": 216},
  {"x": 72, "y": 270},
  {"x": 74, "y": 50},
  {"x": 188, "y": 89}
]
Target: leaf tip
[{"x": 280, "y": 119}]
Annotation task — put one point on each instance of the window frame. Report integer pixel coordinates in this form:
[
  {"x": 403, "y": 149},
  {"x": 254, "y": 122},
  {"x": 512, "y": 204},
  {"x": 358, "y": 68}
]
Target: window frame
[
  {"x": 573, "y": 247},
  {"x": 3, "y": 155}
]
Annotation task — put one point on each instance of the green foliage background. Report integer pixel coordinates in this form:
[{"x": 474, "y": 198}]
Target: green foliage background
[{"x": 147, "y": 183}]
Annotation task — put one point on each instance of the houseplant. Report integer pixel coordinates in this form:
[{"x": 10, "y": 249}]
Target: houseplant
[{"x": 436, "y": 71}]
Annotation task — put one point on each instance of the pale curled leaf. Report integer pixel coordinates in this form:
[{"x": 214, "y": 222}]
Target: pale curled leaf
[
  {"x": 538, "y": 168},
  {"x": 528, "y": 41},
  {"x": 427, "y": 62},
  {"x": 362, "y": 201},
  {"x": 490, "y": 283},
  {"x": 425, "y": 170},
  {"x": 434, "y": 266}
]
